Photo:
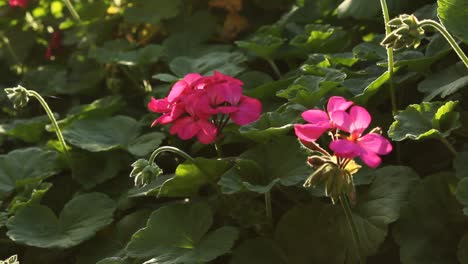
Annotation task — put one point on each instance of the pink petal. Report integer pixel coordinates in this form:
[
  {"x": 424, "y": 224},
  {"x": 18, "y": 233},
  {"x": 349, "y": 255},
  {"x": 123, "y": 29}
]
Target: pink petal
[
  {"x": 345, "y": 148},
  {"x": 359, "y": 120},
  {"x": 249, "y": 110},
  {"x": 338, "y": 103},
  {"x": 185, "y": 128},
  {"x": 370, "y": 159},
  {"x": 315, "y": 116},
  {"x": 207, "y": 133},
  {"x": 158, "y": 106},
  {"x": 225, "y": 109},
  {"x": 177, "y": 90},
  {"x": 375, "y": 143},
  {"x": 341, "y": 120},
  {"x": 191, "y": 78},
  {"x": 309, "y": 132}
]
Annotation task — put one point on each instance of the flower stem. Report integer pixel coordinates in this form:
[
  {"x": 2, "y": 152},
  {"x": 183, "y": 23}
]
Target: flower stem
[
  {"x": 10, "y": 48},
  {"x": 274, "y": 67},
  {"x": 448, "y": 37},
  {"x": 218, "y": 149},
  {"x": 51, "y": 116},
  {"x": 169, "y": 149},
  {"x": 72, "y": 11},
  {"x": 349, "y": 217},
  {"x": 268, "y": 209},
  {"x": 448, "y": 145},
  {"x": 391, "y": 63}
]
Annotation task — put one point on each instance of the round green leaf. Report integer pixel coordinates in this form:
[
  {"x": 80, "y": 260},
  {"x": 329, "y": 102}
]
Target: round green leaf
[
  {"x": 24, "y": 166},
  {"x": 29, "y": 130},
  {"x": 444, "y": 83},
  {"x": 260, "y": 168},
  {"x": 425, "y": 120},
  {"x": 184, "y": 238},
  {"x": 319, "y": 232},
  {"x": 460, "y": 165},
  {"x": 428, "y": 229},
  {"x": 226, "y": 62},
  {"x": 80, "y": 219},
  {"x": 452, "y": 13},
  {"x": 258, "y": 251},
  {"x": 102, "y": 134}
]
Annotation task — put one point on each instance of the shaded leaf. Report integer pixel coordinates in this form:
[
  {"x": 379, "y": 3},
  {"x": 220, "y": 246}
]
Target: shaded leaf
[
  {"x": 24, "y": 166},
  {"x": 460, "y": 165},
  {"x": 444, "y": 83},
  {"x": 144, "y": 11},
  {"x": 184, "y": 238},
  {"x": 80, "y": 219},
  {"x": 258, "y": 251}
]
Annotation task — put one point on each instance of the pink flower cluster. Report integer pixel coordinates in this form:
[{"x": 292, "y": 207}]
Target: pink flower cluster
[
  {"x": 341, "y": 117},
  {"x": 18, "y": 3},
  {"x": 202, "y": 105}
]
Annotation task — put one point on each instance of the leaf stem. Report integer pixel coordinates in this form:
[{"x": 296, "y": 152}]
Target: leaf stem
[
  {"x": 218, "y": 149},
  {"x": 448, "y": 37},
  {"x": 51, "y": 116},
  {"x": 274, "y": 67},
  {"x": 72, "y": 11},
  {"x": 391, "y": 63},
  {"x": 349, "y": 217},
  {"x": 450, "y": 147},
  {"x": 169, "y": 149},
  {"x": 268, "y": 209}
]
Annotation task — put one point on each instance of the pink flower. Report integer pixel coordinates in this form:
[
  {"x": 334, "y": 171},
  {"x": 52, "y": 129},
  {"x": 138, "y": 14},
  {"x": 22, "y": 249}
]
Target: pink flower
[
  {"x": 320, "y": 121},
  {"x": 19, "y": 3},
  {"x": 198, "y": 106},
  {"x": 367, "y": 147}
]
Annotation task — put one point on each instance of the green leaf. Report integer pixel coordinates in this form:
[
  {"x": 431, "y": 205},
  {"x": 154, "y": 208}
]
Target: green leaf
[
  {"x": 145, "y": 143},
  {"x": 452, "y": 13},
  {"x": 24, "y": 166},
  {"x": 444, "y": 83},
  {"x": 111, "y": 244},
  {"x": 29, "y": 130},
  {"x": 184, "y": 238},
  {"x": 319, "y": 233},
  {"x": 189, "y": 177},
  {"x": 102, "y": 107},
  {"x": 143, "y": 11},
  {"x": 31, "y": 195},
  {"x": 271, "y": 124},
  {"x": 372, "y": 88},
  {"x": 425, "y": 120},
  {"x": 262, "y": 45},
  {"x": 366, "y": 8},
  {"x": 463, "y": 249},
  {"x": 258, "y": 251},
  {"x": 104, "y": 134},
  {"x": 258, "y": 169},
  {"x": 165, "y": 77},
  {"x": 80, "y": 219},
  {"x": 307, "y": 90},
  {"x": 229, "y": 63},
  {"x": 460, "y": 165},
  {"x": 120, "y": 52},
  {"x": 462, "y": 193},
  {"x": 428, "y": 229},
  {"x": 321, "y": 38},
  {"x": 84, "y": 166}
]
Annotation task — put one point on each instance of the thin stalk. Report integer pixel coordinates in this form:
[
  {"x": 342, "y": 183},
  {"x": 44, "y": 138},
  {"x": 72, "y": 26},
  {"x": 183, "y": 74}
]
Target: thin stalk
[
  {"x": 218, "y": 149},
  {"x": 349, "y": 217},
  {"x": 391, "y": 63},
  {"x": 51, "y": 116},
  {"x": 72, "y": 11},
  {"x": 448, "y": 37},
  {"x": 10, "y": 48},
  {"x": 269, "y": 211},
  {"x": 275, "y": 68},
  {"x": 169, "y": 149},
  {"x": 448, "y": 145}
]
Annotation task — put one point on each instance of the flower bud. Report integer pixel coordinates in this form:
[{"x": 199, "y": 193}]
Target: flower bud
[
  {"x": 144, "y": 172},
  {"x": 18, "y": 96}
]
